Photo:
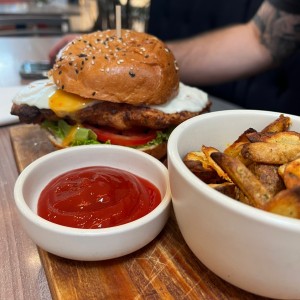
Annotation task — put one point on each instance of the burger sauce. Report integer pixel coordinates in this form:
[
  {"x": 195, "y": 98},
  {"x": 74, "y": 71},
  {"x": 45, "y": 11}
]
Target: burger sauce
[{"x": 97, "y": 197}]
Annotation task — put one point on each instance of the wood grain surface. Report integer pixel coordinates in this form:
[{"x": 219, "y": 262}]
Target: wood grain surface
[{"x": 164, "y": 269}]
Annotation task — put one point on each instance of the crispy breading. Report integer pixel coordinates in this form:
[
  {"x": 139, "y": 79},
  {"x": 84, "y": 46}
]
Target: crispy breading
[{"x": 117, "y": 115}]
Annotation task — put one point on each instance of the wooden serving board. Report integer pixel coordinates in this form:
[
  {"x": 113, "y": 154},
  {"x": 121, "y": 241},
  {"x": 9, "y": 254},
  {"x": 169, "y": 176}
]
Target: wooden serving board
[{"x": 164, "y": 269}]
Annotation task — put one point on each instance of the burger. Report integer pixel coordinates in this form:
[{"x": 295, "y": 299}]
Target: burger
[{"x": 106, "y": 88}]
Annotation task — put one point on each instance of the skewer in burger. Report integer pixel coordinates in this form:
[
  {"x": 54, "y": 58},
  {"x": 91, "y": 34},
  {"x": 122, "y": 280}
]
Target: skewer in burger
[{"x": 109, "y": 89}]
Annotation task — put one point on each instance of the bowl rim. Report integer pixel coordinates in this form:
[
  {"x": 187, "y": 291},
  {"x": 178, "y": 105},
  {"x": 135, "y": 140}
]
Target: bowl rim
[
  {"x": 27, "y": 213},
  {"x": 223, "y": 200}
]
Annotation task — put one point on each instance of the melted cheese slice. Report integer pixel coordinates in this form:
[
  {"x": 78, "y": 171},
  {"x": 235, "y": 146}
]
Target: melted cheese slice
[{"x": 64, "y": 103}]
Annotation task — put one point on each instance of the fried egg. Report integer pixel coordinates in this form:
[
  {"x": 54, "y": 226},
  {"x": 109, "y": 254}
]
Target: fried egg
[{"x": 44, "y": 95}]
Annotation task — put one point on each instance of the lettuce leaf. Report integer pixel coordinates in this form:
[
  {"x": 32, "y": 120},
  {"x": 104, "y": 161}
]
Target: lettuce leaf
[
  {"x": 61, "y": 129},
  {"x": 84, "y": 136}
]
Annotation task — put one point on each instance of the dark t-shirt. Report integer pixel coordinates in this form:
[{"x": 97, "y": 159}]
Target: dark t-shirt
[{"x": 290, "y": 6}]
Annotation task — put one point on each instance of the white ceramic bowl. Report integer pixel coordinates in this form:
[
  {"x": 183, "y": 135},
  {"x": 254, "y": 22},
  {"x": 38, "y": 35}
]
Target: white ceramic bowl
[
  {"x": 91, "y": 244},
  {"x": 252, "y": 249}
]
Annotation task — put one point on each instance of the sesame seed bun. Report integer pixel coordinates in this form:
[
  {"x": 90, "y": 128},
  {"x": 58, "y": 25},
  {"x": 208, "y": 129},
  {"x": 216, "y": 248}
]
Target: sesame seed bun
[{"x": 136, "y": 69}]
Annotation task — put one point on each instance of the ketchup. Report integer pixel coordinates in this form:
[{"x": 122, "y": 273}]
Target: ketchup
[{"x": 97, "y": 197}]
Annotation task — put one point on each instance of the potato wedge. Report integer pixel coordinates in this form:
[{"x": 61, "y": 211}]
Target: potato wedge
[
  {"x": 282, "y": 123},
  {"x": 231, "y": 190},
  {"x": 270, "y": 153},
  {"x": 226, "y": 188},
  {"x": 286, "y": 137},
  {"x": 291, "y": 175},
  {"x": 281, "y": 169},
  {"x": 256, "y": 193},
  {"x": 198, "y": 164},
  {"x": 255, "y": 137},
  {"x": 268, "y": 176},
  {"x": 235, "y": 148},
  {"x": 208, "y": 151},
  {"x": 285, "y": 203}
]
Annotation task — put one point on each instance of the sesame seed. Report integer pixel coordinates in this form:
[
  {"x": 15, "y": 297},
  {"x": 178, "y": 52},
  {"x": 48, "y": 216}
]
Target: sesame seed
[{"x": 131, "y": 74}]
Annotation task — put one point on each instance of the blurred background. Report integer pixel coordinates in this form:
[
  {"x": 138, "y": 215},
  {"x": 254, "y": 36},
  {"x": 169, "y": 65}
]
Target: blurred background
[
  {"x": 277, "y": 89},
  {"x": 58, "y": 17}
]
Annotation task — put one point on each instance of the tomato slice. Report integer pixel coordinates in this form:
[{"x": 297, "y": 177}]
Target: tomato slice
[{"x": 132, "y": 137}]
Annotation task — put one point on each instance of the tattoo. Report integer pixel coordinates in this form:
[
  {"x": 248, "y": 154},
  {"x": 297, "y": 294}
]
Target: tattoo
[{"x": 279, "y": 31}]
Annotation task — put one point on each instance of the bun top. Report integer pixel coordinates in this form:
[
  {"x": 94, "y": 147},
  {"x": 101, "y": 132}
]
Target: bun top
[{"x": 137, "y": 68}]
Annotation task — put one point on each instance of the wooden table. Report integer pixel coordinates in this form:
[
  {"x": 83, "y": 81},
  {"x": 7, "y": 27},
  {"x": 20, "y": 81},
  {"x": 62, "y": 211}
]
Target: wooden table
[{"x": 173, "y": 271}]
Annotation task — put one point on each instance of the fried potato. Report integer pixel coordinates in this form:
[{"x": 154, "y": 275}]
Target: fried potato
[
  {"x": 268, "y": 176},
  {"x": 291, "y": 174},
  {"x": 253, "y": 189},
  {"x": 281, "y": 169},
  {"x": 286, "y": 137},
  {"x": 261, "y": 169},
  {"x": 282, "y": 123},
  {"x": 270, "y": 153},
  {"x": 255, "y": 137},
  {"x": 285, "y": 203},
  {"x": 226, "y": 188},
  {"x": 208, "y": 151},
  {"x": 198, "y": 164},
  {"x": 235, "y": 148}
]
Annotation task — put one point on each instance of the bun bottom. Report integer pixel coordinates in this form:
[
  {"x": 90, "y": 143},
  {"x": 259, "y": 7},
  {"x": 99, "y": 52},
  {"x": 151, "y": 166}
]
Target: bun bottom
[{"x": 158, "y": 151}]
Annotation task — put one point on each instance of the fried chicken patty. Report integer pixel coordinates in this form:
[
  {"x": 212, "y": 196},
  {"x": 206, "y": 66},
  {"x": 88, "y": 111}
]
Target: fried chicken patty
[{"x": 117, "y": 115}]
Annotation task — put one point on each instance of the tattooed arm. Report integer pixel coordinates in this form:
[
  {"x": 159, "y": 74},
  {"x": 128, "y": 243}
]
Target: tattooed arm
[{"x": 240, "y": 50}]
